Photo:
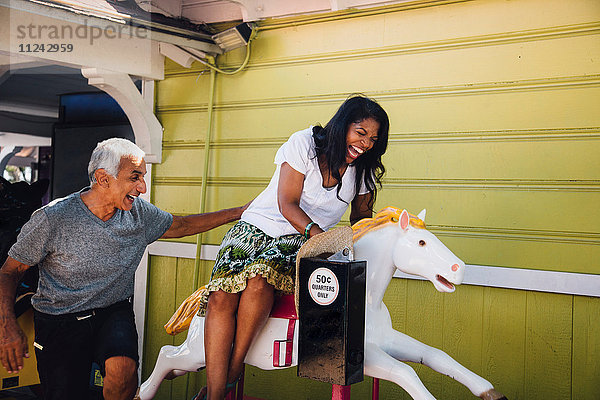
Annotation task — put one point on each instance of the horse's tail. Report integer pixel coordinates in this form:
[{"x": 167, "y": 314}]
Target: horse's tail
[{"x": 181, "y": 320}]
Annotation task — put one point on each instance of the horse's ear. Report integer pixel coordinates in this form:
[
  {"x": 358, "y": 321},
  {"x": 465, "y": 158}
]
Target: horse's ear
[
  {"x": 404, "y": 220},
  {"x": 422, "y": 214}
]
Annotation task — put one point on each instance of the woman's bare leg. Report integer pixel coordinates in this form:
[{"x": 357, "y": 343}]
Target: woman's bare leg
[
  {"x": 219, "y": 331},
  {"x": 254, "y": 308}
]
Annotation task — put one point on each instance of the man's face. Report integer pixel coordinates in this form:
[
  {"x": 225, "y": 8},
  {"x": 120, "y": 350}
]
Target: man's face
[{"x": 129, "y": 183}]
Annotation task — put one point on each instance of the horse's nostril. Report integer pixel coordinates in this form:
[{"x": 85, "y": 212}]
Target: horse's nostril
[{"x": 455, "y": 267}]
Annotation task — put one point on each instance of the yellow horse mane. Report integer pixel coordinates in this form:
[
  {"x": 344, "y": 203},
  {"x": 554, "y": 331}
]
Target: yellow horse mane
[{"x": 383, "y": 217}]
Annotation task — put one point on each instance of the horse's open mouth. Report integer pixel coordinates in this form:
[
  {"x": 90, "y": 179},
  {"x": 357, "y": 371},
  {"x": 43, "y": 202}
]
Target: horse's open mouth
[{"x": 444, "y": 282}]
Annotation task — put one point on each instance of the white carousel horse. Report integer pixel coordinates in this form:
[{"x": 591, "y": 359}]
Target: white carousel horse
[{"x": 392, "y": 240}]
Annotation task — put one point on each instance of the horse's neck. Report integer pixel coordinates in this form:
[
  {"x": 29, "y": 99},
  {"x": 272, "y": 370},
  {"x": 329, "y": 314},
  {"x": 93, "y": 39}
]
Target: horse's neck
[{"x": 376, "y": 248}]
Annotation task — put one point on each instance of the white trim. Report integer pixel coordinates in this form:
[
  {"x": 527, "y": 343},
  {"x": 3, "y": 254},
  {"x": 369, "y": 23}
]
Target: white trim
[
  {"x": 183, "y": 250},
  {"x": 147, "y": 129},
  {"x": 479, "y": 275},
  {"x": 29, "y": 109},
  {"x": 141, "y": 282},
  {"x": 527, "y": 279},
  {"x": 22, "y": 139}
]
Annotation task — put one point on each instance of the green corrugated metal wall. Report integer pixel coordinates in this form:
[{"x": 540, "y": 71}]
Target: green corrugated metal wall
[{"x": 495, "y": 129}]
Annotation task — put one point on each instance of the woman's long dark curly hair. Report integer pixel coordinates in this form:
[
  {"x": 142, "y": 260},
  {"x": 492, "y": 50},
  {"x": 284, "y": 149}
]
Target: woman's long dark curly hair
[{"x": 331, "y": 143}]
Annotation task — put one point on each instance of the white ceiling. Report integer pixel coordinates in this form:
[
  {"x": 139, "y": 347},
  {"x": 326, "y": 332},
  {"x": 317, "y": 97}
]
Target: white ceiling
[{"x": 211, "y": 11}]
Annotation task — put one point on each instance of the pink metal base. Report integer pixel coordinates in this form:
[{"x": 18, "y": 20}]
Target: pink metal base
[
  {"x": 375, "y": 389},
  {"x": 339, "y": 392}
]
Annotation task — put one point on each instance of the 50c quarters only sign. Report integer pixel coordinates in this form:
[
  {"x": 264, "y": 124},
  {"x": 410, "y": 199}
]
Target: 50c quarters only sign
[{"x": 323, "y": 286}]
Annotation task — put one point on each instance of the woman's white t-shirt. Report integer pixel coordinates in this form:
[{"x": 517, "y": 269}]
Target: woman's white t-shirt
[{"x": 320, "y": 204}]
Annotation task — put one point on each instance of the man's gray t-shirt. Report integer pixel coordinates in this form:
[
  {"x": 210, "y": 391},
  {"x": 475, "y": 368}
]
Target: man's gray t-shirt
[{"x": 84, "y": 262}]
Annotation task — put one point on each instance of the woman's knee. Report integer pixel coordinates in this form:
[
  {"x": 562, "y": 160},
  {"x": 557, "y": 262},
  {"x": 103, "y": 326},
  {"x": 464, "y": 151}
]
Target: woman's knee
[
  {"x": 223, "y": 301},
  {"x": 259, "y": 285}
]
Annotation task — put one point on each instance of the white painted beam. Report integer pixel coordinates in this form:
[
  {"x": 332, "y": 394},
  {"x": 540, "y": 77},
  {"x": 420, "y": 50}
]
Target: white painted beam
[
  {"x": 182, "y": 250},
  {"x": 17, "y": 139},
  {"x": 29, "y": 109},
  {"x": 141, "y": 281},
  {"x": 171, "y": 8},
  {"x": 527, "y": 279},
  {"x": 176, "y": 54},
  {"x": 479, "y": 275},
  {"x": 79, "y": 40},
  {"x": 4, "y": 73},
  {"x": 210, "y": 11},
  {"x": 146, "y": 128}
]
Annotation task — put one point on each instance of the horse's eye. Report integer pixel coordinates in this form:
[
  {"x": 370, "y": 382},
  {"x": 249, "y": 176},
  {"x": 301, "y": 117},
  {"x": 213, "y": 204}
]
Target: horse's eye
[{"x": 422, "y": 243}]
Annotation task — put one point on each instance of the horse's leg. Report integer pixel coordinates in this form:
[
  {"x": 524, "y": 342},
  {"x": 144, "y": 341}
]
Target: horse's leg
[
  {"x": 379, "y": 364},
  {"x": 175, "y": 361},
  {"x": 404, "y": 347}
]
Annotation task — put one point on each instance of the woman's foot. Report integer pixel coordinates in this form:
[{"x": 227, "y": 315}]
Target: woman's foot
[
  {"x": 201, "y": 395},
  {"x": 232, "y": 385}
]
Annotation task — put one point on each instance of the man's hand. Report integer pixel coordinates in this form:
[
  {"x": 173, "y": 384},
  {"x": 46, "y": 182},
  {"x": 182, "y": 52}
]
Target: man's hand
[
  {"x": 13, "y": 345},
  {"x": 13, "y": 342}
]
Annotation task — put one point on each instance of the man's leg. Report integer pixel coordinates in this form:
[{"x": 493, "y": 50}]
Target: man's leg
[
  {"x": 120, "y": 382},
  {"x": 117, "y": 351},
  {"x": 64, "y": 357}
]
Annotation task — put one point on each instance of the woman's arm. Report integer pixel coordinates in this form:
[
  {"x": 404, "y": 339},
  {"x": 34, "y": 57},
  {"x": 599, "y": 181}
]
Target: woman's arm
[
  {"x": 360, "y": 208},
  {"x": 291, "y": 183}
]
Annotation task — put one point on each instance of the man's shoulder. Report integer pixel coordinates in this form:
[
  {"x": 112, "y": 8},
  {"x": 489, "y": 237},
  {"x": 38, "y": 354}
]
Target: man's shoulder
[
  {"x": 61, "y": 205},
  {"x": 143, "y": 209},
  {"x": 140, "y": 205}
]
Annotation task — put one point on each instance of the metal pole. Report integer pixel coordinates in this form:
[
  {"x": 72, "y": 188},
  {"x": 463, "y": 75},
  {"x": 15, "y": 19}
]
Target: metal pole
[
  {"x": 375, "y": 392},
  {"x": 207, "y": 140},
  {"x": 202, "y": 207},
  {"x": 339, "y": 392}
]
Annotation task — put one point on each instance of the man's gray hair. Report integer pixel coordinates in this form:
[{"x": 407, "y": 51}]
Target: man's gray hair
[{"x": 108, "y": 153}]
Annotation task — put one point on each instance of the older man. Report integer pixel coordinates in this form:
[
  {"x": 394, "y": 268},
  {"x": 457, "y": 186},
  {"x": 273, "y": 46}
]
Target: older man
[{"x": 88, "y": 246}]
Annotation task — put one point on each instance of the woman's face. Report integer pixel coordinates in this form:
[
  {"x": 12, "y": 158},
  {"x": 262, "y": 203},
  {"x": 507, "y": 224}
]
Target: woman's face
[{"x": 361, "y": 137}]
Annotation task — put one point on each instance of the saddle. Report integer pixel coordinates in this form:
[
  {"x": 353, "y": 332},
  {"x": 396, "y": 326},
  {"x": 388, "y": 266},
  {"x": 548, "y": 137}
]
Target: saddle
[{"x": 286, "y": 306}]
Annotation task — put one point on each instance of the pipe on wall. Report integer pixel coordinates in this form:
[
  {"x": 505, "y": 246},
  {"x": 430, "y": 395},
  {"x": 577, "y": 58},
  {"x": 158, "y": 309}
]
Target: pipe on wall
[{"x": 207, "y": 140}]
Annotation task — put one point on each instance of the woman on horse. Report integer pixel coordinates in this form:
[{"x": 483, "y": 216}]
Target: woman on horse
[{"x": 320, "y": 172}]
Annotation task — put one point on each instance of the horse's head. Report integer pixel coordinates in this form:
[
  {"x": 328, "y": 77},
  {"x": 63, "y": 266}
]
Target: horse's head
[{"x": 419, "y": 252}]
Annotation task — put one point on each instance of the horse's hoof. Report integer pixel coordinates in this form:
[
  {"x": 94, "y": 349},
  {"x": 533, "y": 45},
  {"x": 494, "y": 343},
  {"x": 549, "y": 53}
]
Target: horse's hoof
[{"x": 492, "y": 394}]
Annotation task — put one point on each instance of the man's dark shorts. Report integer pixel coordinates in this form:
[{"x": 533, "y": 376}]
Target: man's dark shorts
[{"x": 66, "y": 345}]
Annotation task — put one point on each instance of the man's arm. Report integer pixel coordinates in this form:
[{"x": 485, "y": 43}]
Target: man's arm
[
  {"x": 13, "y": 342},
  {"x": 197, "y": 223}
]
